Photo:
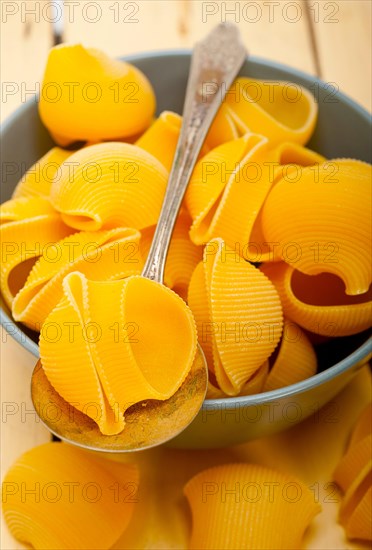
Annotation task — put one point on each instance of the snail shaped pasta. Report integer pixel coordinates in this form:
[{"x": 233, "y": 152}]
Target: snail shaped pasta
[
  {"x": 24, "y": 240},
  {"x": 238, "y": 315},
  {"x": 122, "y": 350},
  {"x": 229, "y": 186},
  {"x": 73, "y": 504},
  {"x": 252, "y": 517},
  {"x": 100, "y": 256},
  {"x": 354, "y": 476},
  {"x": 183, "y": 256},
  {"x": 111, "y": 184},
  {"x": 88, "y": 96},
  {"x": 326, "y": 214},
  {"x": 294, "y": 360},
  {"x": 38, "y": 179},
  {"x": 281, "y": 111},
  {"x": 319, "y": 303}
]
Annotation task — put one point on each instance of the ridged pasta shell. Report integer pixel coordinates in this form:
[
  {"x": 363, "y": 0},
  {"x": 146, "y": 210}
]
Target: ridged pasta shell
[
  {"x": 183, "y": 255},
  {"x": 108, "y": 99},
  {"x": 111, "y": 185},
  {"x": 248, "y": 506},
  {"x": 161, "y": 138},
  {"x": 318, "y": 303},
  {"x": 21, "y": 243},
  {"x": 73, "y": 504},
  {"x": 142, "y": 347},
  {"x": 295, "y": 361},
  {"x": 326, "y": 215},
  {"x": 38, "y": 179},
  {"x": 281, "y": 111},
  {"x": 238, "y": 315},
  {"x": 223, "y": 128},
  {"x": 23, "y": 208},
  {"x": 100, "y": 256}
]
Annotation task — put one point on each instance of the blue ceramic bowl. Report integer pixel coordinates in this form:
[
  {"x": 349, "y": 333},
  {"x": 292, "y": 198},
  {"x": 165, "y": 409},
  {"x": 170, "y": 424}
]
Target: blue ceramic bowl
[{"x": 343, "y": 130}]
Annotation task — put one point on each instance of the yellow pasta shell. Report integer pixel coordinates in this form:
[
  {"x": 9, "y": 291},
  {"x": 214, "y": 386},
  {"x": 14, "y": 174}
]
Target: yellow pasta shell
[
  {"x": 134, "y": 340},
  {"x": 112, "y": 184},
  {"x": 279, "y": 110},
  {"x": 100, "y": 256},
  {"x": 38, "y": 179},
  {"x": 161, "y": 138},
  {"x": 21, "y": 243},
  {"x": 23, "y": 208},
  {"x": 359, "y": 525},
  {"x": 88, "y": 96},
  {"x": 248, "y": 506},
  {"x": 318, "y": 303},
  {"x": 286, "y": 161},
  {"x": 353, "y": 462},
  {"x": 363, "y": 427},
  {"x": 326, "y": 215},
  {"x": 295, "y": 361},
  {"x": 223, "y": 128},
  {"x": 238, "y": 315},
  {"x": 353, "y": 504},
  {"x": 183, "y": 255},
  {"x": 57, "y": 496}
]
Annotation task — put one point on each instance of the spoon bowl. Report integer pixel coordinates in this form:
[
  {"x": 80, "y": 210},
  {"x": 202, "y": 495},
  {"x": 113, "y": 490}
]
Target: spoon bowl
[{"x": 148, "y": 423}]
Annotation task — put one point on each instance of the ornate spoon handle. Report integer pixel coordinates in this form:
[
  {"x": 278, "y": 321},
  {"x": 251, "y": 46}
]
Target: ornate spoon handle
[{"x": 215, "y": 63}]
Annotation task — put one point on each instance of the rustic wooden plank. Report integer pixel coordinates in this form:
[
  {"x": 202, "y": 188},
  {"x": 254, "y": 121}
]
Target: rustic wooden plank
[
  {"x": 275, "y": 32},
  {"x": 26, "y": 37},
  {"x": 343, "y": 32}
]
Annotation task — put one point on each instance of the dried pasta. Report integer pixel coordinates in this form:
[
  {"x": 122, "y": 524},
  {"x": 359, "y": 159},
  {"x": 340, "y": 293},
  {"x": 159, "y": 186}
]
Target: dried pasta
[
  {"x": 38, "y": 179},
  {"x": 100, "y": 256},
  {"x": 114, "y": 322},
  {"x": 233, "y": 506},
  {"x": 326, "y": 213},
  {"x": 281, "y": 111},
  {"x": 112, "y": 184},
  {"x": 238, "y": 315},
  {"x": 23, "y": 208},
  {"x": 354, "y": 475},
  {"x": 88, "y": 96},
  {"x": 295, "y": 360},
  {"x": 22, "y": 242},
  {"x": 230, "y": 184},
  {"x": 318, "y": 303},
  {"x": 57, "y": 496}
]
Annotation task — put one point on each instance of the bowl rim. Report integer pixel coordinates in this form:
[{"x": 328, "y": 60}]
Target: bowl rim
[{"x": 353, "y": 360}]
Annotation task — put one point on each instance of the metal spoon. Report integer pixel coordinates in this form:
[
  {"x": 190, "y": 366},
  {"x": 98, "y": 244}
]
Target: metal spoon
[{"x": 215, "y": 62}]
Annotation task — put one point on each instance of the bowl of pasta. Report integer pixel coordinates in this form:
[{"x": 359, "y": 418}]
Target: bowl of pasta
[{"x": 271, "y": 250}]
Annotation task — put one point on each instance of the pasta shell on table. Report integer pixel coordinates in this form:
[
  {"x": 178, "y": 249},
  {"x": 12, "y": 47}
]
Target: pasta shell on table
[
  {"x": 295, "y": 360},
  {"x": 354, "y": 476},
  {"x": 248, "y": 506},
  {"x": 24, "y": 208},
  {"x": 100, "y": 256},
  {"x": 281, "y": 111},
  {"x": 238, "y": 315},
  {"x": 111, "y": 185},
  {"x": 183, "y": 255},
  {"x": 38, "y": 179},
  {"x": 326, "y": 215},
  {"x": 161, "y": 138},
  {"x": 89, "y": 96},
  {"x": 319, "y": 303},
  {"x": 22, "y": 242},
  {"x": 73, "y": 506},
  {"x": 116, "y": 323}
]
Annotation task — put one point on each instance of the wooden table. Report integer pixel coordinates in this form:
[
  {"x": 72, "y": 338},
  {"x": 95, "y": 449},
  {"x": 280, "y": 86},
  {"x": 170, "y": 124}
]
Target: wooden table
[{"x": 329, "y": 39}]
